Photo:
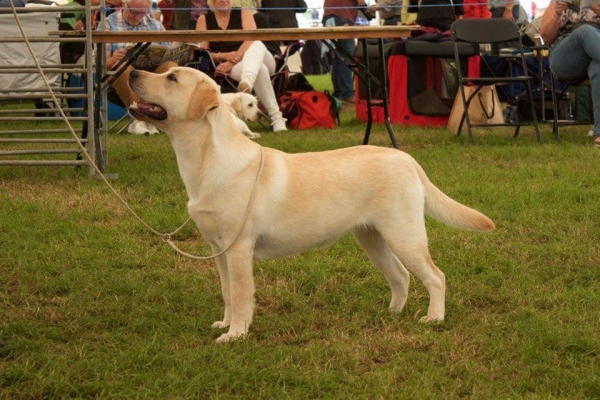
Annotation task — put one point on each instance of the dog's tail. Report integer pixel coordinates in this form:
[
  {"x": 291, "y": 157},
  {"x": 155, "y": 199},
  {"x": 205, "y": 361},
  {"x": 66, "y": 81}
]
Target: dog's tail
[{"x": 450, "y": 212}]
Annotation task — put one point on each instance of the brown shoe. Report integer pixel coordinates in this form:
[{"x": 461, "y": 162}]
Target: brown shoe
[
  {"x": 350, "y": 99},
  {"x": 244, "y": 87}
]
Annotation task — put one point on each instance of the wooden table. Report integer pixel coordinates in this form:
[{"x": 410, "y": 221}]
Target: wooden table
[
  {"x": 331, "y": 34},
  {"x": 340, "y": 32}
]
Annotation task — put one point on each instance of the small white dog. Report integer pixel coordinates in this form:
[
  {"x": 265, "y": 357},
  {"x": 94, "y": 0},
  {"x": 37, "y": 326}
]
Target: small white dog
[
  {"x": 244, "y": 107},
  {"x": 252, "y": 202}
]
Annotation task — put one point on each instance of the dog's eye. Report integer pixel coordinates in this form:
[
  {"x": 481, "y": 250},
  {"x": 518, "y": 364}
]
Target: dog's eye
[{"x": 172, "y": 77}]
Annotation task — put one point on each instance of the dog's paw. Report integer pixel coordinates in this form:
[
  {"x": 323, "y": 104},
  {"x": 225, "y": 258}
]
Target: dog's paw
[
  {"x": 228, "y": 337},
  {"x": 431, "y": 320},
  {"x": 253, "y": 135},
  {"x": 219, "y": 325}
]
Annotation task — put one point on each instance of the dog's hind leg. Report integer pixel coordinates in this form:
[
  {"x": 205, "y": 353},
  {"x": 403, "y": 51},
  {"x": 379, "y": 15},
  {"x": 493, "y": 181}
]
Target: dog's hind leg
[
  {"x": 225, "y": 291},
  {"x": 241, "y": 291},
  {"x": 408, "y": 241},
  {"x": 390, "y": 266}
]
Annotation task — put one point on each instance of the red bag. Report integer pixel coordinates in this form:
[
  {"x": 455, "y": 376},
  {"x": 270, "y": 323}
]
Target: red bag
[{"x": 304, "y": 110}]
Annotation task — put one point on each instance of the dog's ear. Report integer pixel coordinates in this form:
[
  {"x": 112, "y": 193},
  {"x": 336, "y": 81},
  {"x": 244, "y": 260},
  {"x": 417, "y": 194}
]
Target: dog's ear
[
  {"x": 236, "y": 104},
  {"x": 204, "y": 98}
]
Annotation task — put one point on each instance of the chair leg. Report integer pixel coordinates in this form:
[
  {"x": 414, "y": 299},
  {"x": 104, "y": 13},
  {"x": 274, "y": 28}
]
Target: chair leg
[
  {"x": 465, "y": 116},
  {"x": 554, "y": 107},
  {"x": 468, "y": 120},
  {"x": 533, "y": 113}
]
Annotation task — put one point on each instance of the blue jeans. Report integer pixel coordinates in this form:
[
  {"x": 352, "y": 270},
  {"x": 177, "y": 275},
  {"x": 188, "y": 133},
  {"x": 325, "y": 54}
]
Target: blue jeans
[
  {"x": 342, "y": 77},
  {"x": 576, "y": 56}
]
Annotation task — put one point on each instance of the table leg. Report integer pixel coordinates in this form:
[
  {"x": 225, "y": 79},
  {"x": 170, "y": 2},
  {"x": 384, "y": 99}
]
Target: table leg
[{"x": 367, "y": 77}]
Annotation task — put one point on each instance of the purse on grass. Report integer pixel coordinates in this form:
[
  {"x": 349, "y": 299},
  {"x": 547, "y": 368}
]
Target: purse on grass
[{"x": 485, "y": 108}]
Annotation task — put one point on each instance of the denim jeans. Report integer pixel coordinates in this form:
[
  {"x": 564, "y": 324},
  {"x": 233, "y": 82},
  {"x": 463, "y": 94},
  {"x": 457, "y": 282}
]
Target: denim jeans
[
  {"x": 342, "y": 77},
  {"x": 576, "y": 56}
]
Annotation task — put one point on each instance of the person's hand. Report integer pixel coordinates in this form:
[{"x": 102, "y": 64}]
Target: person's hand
[
  {"x": 233, "y": 57},
  {"x": 224, "y": 67},
  {"x": 561, "y": 6},
  {"x": 115, "y": 58},
  {"x": 508, "y": 14},
  {"x": 596, "y": 8},
  {"x": 79, "y": 25}
]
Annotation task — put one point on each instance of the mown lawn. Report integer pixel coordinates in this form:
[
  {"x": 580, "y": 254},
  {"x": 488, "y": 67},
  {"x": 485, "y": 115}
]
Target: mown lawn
[{"x": 93, "y": 305}]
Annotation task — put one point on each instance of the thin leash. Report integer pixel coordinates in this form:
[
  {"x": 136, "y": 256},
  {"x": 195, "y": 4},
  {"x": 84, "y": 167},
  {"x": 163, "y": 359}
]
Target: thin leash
[{"x": 167, "y": 237}]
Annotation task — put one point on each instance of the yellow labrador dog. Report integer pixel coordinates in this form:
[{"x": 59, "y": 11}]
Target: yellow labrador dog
[
  {"x": 251, "y": 202},
  {"x": 244, "y": 107}
]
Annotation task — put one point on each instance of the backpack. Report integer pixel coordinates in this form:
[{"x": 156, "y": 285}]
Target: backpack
[{"x": 304, "y": 110}]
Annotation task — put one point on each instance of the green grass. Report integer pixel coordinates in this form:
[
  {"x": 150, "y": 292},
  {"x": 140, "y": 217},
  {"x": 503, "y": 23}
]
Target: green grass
[{"x": 92, "y": 305}]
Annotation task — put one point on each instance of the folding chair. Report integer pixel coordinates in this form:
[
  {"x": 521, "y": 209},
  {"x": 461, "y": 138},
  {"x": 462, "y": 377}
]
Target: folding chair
[{"x": 491, "y": 31}]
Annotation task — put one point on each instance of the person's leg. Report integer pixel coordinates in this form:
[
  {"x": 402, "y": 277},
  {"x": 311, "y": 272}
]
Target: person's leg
[
  {"x": 254, "y": 72},
  {"x": 341, "y": 75},
  {"x": 121, "y": 85},
  {"x": 256, "y": 58},
  {"x": 579, "y": 55}
]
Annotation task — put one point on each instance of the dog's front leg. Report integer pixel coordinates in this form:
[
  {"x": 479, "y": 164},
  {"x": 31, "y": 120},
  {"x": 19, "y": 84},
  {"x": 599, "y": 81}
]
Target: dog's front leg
[
  {"x": 241, "y": 291},
  {"x": 225, "y": 291}
]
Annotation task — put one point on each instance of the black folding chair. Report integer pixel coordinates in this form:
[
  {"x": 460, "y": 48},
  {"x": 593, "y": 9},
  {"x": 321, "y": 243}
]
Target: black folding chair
[{"x": 492, "y": 31}]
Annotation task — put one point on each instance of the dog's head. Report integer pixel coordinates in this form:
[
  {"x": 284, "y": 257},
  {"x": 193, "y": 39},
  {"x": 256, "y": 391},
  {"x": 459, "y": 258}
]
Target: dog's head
[
  {"x": 178, "y": 95},
  {"x": 244, "y": 106}
]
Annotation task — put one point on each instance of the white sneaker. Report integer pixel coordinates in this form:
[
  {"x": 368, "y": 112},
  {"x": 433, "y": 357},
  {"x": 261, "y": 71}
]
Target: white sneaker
[
  {"x": 279, "y": 125},
  {"x": 151, "y": 129},
  {"x": 137, "y": 127},
  {"x": 591, "y": 133}
]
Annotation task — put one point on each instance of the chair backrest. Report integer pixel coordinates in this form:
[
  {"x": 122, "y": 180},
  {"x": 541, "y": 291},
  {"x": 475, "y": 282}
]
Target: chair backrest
[
  {"x": 485, "y": 30},
  {"x": 291, "y": 49}
]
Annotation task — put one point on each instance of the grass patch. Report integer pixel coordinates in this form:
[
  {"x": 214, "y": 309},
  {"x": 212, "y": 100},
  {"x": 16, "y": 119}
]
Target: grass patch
[{"x": 93, "y": 305}]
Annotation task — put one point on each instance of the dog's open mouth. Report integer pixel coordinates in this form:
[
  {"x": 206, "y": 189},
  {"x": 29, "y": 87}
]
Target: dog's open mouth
[{"x": 150, "y": 110}]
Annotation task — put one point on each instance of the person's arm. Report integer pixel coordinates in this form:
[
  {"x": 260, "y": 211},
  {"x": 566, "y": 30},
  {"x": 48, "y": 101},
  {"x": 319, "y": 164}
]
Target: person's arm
[
  {"x": 508, "y": 10},
  {"x": 201, "y": 26},
  {"x": 551, "y": 21},
  {"x": 301, "y": 6},
  {"x": 248, "y": 24},
  {"x": 375, "y": 7}
]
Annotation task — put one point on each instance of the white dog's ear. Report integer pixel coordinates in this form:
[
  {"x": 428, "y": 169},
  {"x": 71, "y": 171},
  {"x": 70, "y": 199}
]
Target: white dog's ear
[
  {"x": 205, "y": 98},
  {"x": 236, "y": 104}
]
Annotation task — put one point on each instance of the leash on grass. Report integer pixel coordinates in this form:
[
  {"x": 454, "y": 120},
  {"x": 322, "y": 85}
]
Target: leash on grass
[{"x": 167, "y": 237}]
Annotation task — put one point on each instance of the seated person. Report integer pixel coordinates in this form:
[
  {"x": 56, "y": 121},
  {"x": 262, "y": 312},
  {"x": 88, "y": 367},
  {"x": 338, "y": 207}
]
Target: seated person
[
  {"x": 134, "y": 16},
  {"x": 574, "y": 52},
  {"x": 248, "y": 62}
]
